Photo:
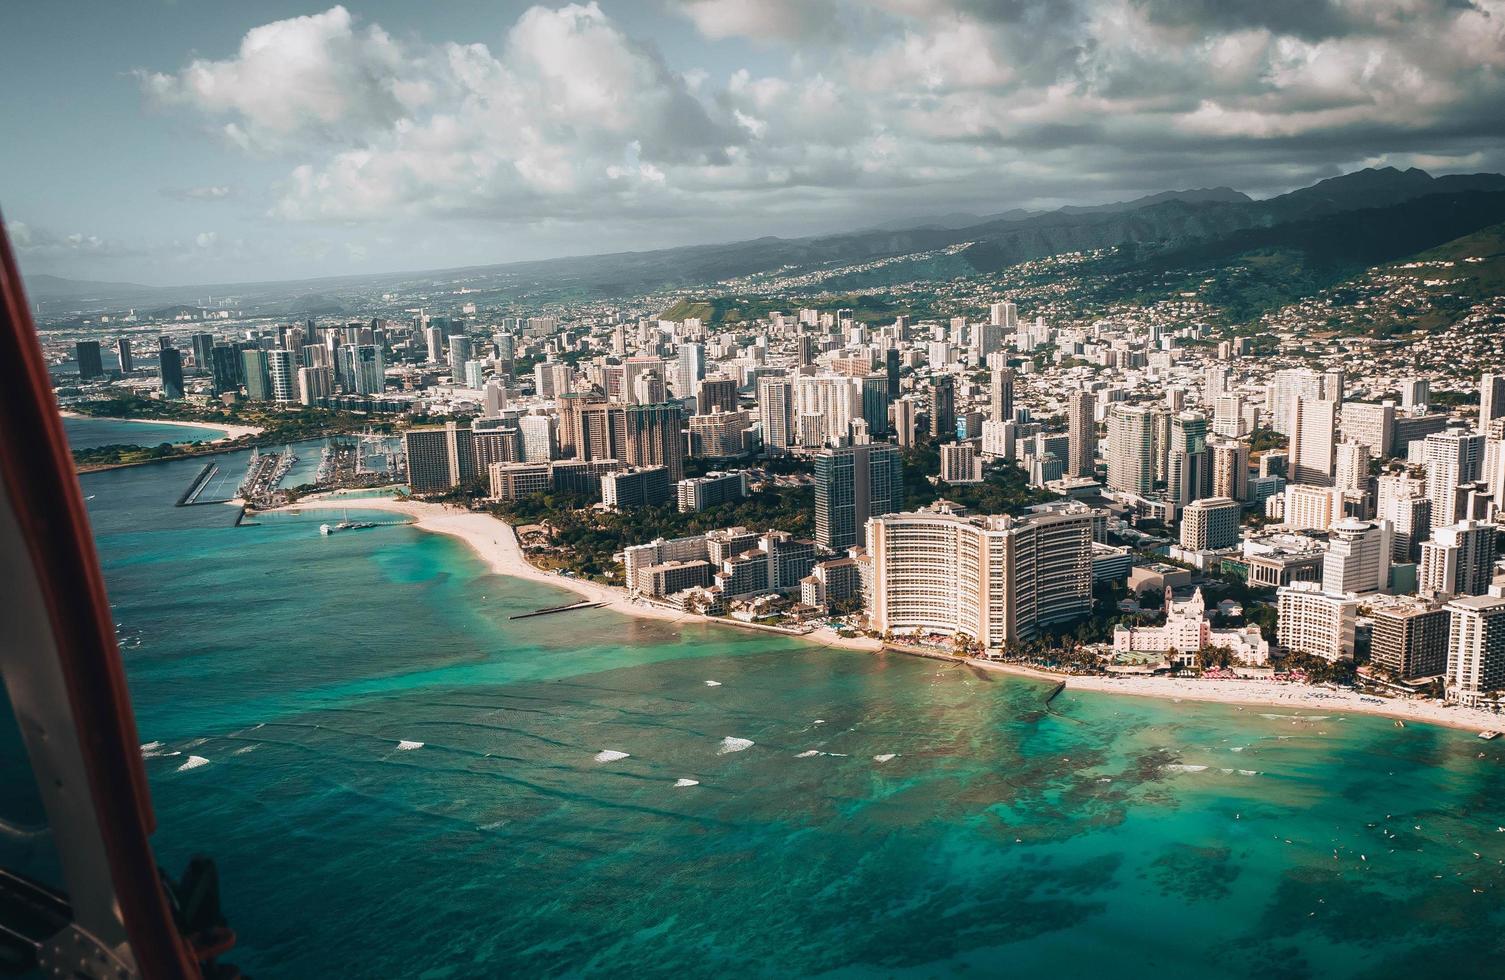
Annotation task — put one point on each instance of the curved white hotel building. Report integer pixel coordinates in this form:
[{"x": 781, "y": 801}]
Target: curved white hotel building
[{"x": 996, "y": 579}]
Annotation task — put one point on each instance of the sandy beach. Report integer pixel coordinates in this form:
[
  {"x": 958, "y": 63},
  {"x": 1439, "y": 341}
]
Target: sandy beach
[
  {"x": 230, "y": 431},
  {"x": 496, "y": 543}
]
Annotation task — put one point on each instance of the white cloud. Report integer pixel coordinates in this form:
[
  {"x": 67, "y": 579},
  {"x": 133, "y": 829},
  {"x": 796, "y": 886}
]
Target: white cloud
[
  {"x": 318, "y": 77},
  {"x": 567, "y": 119}
]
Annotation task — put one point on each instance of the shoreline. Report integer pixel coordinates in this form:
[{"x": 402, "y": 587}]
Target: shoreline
[
  {"x": 495, "y": 542},
  {"x": 231, "y": 431}
]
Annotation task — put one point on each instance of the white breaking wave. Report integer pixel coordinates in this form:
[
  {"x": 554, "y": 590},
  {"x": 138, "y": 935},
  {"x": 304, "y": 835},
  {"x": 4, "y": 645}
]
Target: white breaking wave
[
  {"x": 151, "y": 746},
  {"x": 731, "y": 744},
  {"x": 1248, "y": 772},
  {"x": 491, "y": 826},
  {"x": 884, "y": 757},
  {"x": 682, "y": 783},
  {"x": 820, "y": 721},
  {"x": 1237, "y": 748},
  {"x": 406, "y": 746},
  {"x": 247, "y": 748},
  {"x": 809, "y": 753},
  {"x": 1179, "y": 767},
  {"x": 1275, "y": 717},
  {"x": 611, "y": 755},
  {"x": 194, "y": 761},
  {"x": 712, "y": 683}
]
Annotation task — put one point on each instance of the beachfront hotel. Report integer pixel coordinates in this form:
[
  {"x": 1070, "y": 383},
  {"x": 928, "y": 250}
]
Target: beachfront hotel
[{"x": 994, "y": 578}]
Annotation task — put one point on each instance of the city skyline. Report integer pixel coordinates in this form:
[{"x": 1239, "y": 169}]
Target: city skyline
[{"x": 215, "y": 146}]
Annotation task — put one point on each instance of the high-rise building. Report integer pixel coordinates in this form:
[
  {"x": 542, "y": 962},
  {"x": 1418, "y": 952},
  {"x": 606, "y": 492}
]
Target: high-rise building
[
  {"x": 314, "y": 383},
  {"x": 698, "y": 493},
  {"x": 203, "y": 352},
  {"x": 227, "y": 368},
  {"x": 257, "y": 376},
  {"x": 1315, "y": 622},
  {"x": 891, "y": 372},
  {"x": 90, "y": 362},
  {"x": 637, "y": 486},
  {"x": 1188, "y": 462},
  {"x": 1210, "y": 523},
  {"x": 1409, "y": 637},
  {"x": 776, "y": 412},
  {"x": 1358, "y": 557},
  {"x": 123, "y": 351},
  {"x": 1001, "y": 394},
  {"x": 1491, "y": 400},
  {"x": 1453, "y": 458},
  {"x": 282, "y": 375},
  {"x": 1230, "y": 468},
  {"x": 366, "y": 373},
  {"x": 719, "y": 435},
  {"x": 1285, "y": 387},
  {"x": 904, "y": 422},
  {"x": 1313, "y": 435},
  {"x": 942, "y": 406},
  {"x": 460, "y": 351},
  {"x": 960, "y": 463},
  {"x": 440, "y": 459},
  {"x": 1081, "y": 428},
  {"x": 716, "y": 395},
  {"x": 552, "y": 379},
  {"x": 1309, "y": 508},
  {"x": 539, "y": 444},
  {"x": 691, "y": 369},
  {"x": 1131, "y": 464},
  {"x": 170, "y": 361},
  {"x": 1476, "y": 648},
  {"x": 1351, "y": 472},
  {"x": 853, "y": 483},
  {"x": 1459, "y": 560},
  {"x": 1415, "y": 394},
  {"x": 1370, "y": 425},
  {"x": 994, "y": 579}
]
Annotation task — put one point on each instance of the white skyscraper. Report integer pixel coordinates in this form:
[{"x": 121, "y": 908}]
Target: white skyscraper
[
  {"x": 1314, "y": 431},
  {"x": 1453, "y": 458},
  {"x": 691, "y": 369},
  {"x": 1358, "y": 557},
  {"x": 1131, "y": 464},
  {"x": 1476, "y": 648},
  {"x": 1352, "y": 466}
]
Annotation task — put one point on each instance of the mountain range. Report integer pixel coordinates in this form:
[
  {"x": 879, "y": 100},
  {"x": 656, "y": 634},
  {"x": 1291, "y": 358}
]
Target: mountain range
[{"x": 1366, "y": 216}]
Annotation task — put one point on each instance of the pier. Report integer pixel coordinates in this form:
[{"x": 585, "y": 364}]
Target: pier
[
  {"x": 551, "y": 610},
  {"x": 1055, "y": 691}
]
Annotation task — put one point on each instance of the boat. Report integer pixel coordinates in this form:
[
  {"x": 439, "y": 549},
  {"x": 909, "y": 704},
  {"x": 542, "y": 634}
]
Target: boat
[
  {"x": 1399, "y": 723},
  {"x": 345, "y": 525},
  {"x": 1489, "y": 736}
]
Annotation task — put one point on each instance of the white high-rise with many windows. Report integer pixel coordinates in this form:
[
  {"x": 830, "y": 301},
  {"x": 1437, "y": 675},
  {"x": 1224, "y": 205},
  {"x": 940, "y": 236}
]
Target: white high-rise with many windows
[{"x": 1130, "y": 451}]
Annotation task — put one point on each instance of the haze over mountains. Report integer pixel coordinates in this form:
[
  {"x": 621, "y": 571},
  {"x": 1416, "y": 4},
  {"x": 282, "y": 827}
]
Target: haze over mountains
[{"x": 1362, "y": 217}]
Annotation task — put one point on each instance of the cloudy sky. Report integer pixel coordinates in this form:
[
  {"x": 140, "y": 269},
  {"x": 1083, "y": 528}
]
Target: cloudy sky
[{"x": 198, "y": 142}]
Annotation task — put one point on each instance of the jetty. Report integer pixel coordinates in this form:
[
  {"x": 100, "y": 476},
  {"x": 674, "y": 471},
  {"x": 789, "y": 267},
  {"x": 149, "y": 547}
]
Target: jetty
[
  {"x": 198, "y": 485},
  {"x": 1055, "y": 691},
  {"x": 551, "y": 610}
]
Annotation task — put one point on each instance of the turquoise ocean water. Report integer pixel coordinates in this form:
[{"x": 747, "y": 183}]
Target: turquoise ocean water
[{"x": 853, "y": 815}]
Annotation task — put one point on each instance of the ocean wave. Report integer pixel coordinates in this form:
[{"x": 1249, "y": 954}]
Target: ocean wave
[
  {"x": 681, "y": 783},
  {"x": 809, "y": 753},
  {"x": 247, "y": 748},
  {"x": 1276, "y": 717},
  {"x": 712, "y": 683},
  {"x": 1237, "y": 748},
  {"x": 492, "y": 826},
  {"x": 1181, "y": 767},
  {"x": 611, "y": 755},
  {"x": 884, "y": 757},
  {"x": 194, "y": 761},
  {"x": 150, "y": 746},
  {"x": 406, "y": 746},
  {"x": 733, "y": 744}
]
